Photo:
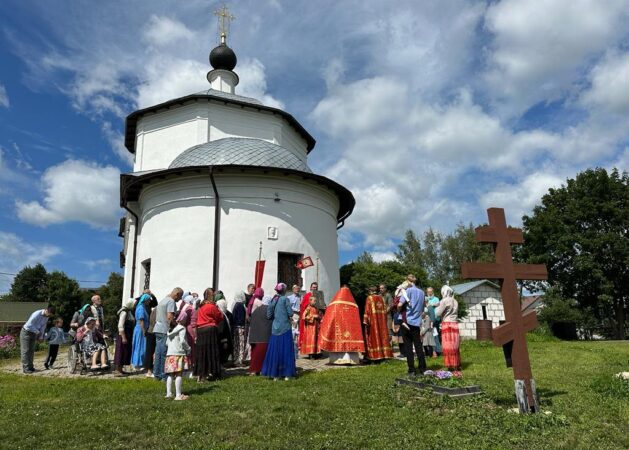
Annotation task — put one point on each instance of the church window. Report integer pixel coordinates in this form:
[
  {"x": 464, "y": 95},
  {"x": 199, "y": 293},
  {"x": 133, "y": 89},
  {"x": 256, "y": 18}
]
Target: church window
[{"x": 146, "y": 269}]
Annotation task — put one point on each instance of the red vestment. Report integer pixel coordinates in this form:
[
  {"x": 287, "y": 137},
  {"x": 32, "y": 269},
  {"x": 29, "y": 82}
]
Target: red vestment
[
  {"x": 309, "y": 344},
  {"x": 302, "y": 307},
  {"x": 376, "y": 331},
  {"x": 340, "y": 329}
]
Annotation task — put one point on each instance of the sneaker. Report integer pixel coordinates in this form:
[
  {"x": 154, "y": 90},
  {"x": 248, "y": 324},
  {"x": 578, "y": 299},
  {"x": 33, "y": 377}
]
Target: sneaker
[
  {"x": 28, "y": 371},
  {"x": 181, "y": 397},
  {"x": 169, "y": 397},
  {"x": 46, "y": 366}
]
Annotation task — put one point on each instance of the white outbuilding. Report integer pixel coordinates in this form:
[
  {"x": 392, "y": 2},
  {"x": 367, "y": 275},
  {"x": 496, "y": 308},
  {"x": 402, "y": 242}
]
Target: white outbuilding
[{"x": 215, "y": 174}]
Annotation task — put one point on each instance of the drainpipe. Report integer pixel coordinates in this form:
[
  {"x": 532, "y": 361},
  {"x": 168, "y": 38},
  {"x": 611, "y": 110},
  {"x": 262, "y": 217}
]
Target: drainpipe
[
  {"x": 217, "y": 231},
  {"x": 135, "y": 247}
]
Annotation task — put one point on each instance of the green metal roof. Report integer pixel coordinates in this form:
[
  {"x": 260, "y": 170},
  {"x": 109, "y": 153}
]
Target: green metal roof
[{"x": 18, "y": 312}]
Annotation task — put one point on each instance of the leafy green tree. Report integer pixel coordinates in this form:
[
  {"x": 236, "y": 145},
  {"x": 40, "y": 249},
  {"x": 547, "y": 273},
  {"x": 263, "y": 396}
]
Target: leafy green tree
[
  {"x": 63, "y": 293},
  {"x": 410, "y": 250},
  {"x": 111, "y": 294},
  {"x": 581, "y": 232},
  {"x": 29, "y": 285}
]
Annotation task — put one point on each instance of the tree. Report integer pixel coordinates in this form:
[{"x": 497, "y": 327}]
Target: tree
[
  {"x": 581, "y": 232},
  {"x": 64, "y": 294},
  {"x": 111, "y": 294},
  {"x": 29, "y": 285},
  {"x": 410, "y": 250}
]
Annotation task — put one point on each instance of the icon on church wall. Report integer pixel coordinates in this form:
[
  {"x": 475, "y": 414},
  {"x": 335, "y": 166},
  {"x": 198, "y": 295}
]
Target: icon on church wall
[{"x": 273, "y": 233}]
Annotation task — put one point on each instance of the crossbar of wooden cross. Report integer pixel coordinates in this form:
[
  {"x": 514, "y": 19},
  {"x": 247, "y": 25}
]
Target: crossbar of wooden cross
[{"x": 513, "y": 331}]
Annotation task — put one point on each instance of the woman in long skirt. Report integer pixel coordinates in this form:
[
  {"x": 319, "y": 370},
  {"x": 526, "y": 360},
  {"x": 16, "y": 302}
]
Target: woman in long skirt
[
  {"x": 259, "y": 335},
  {"x": 280, "y": 355},
  {"x": 126, "y": 323},
  {"x": 450, "y": 340},
  {"x": 138, "y": 349},
  {"x": 207, "y": 358}
]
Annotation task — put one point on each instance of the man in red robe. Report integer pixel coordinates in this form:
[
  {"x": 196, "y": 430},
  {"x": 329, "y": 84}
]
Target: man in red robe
[
  {"x": 341, "y": 333},
  {"x": 376, "y": 331}
]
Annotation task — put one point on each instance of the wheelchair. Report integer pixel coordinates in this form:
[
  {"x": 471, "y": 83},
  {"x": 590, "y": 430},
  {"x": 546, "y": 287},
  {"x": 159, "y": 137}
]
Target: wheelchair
[{"x": 80, "y": 362}]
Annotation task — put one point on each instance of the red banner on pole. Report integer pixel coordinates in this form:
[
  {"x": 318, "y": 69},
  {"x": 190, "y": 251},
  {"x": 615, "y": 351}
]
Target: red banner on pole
[
  {"x": 259, "y": 273},
  {"x": 304, "y": 263}
]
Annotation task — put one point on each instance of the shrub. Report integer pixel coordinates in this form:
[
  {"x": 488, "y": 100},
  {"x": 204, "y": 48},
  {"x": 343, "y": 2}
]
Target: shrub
[{"x": 8, "y": 347}]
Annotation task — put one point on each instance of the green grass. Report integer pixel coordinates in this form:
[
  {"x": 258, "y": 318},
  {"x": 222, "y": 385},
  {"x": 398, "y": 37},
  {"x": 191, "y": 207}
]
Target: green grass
[{"x": 353, "y": 408}]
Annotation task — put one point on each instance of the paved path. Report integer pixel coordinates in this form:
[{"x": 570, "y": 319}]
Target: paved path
[{"x": 60, "y": 368}]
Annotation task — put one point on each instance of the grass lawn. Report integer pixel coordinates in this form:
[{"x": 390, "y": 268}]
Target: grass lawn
[{"x": 353, "y": 408}]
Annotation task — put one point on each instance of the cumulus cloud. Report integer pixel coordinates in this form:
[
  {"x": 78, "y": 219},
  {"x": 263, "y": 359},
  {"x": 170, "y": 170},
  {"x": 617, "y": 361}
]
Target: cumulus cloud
[
  {"x": 75, "y": 191},
  {"x": 520, "y": 198},
  {"x": 15, "y": 253},
  {"x": 162, "y": 30},
  {"x": 610, "y": 84},
  {"x": 4, "y": 98},
  {"x": 98, "y": 263},
  {"x": 539, "y": 49},
  {"x": 383, "y": 256}
]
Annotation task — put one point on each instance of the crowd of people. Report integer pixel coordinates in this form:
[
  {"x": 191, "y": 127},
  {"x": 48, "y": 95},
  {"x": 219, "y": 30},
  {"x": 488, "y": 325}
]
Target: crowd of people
[{"x": 199, "y": 336}]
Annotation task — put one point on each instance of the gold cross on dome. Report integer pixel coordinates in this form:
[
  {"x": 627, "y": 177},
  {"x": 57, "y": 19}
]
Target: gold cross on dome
[{"x": 224, "y": 19}]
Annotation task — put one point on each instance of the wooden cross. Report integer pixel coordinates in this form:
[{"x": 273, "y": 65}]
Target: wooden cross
[
  {"x": 513, "y": 331},
  {"x": 224, "y": 18}
]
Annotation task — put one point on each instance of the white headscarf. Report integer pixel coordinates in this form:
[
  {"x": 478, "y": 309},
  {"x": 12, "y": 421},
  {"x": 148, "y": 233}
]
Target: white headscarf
[
  {"x": 222, "y": 305},
  {"x": 266, "y": 300},
  {"x": 189, "y": 299},
  {"x": 446, "y": 291}
]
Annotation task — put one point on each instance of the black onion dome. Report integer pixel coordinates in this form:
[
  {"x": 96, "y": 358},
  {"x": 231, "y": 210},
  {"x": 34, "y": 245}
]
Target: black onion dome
[{"x": 223, "y": 57}]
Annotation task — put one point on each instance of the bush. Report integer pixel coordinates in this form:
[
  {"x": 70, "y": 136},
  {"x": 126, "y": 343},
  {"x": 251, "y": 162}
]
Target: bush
[{"x": 8, "y": 347}]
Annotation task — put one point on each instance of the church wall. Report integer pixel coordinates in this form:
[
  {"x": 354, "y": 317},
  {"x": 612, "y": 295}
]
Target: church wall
[
  {"x": 162, "y": 137},
  {"x": 475, "y": 299},
  {"x": 177, "y": 231}
]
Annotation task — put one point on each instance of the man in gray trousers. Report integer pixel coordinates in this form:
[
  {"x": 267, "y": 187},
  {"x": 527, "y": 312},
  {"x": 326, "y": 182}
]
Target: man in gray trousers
[{"x": 33, "y": 329}]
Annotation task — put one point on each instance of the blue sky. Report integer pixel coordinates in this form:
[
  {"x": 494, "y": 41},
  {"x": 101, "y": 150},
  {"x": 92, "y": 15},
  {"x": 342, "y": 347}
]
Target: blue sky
[{"x": 429, "y": 112}]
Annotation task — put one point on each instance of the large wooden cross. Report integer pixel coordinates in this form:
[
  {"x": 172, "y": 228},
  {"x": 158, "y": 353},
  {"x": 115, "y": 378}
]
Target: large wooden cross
[{"x": 513, "y": 332}]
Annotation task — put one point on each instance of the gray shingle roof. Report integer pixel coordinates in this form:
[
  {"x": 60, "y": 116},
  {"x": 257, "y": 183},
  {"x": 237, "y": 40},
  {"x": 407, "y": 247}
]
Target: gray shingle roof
[
  {"x": 239, "y": 151},
  {"x": 462, "y": 288}
]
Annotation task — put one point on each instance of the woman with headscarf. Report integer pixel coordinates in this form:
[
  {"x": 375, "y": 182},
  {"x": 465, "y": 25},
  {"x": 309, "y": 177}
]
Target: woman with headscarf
[
  {"x": 184, "y": 318},
  {"x": 224, "y": 329},
  {"x": 280, "y": 355},
  {"x": 239, "y": 331},
  {"x": 126, "y": 323},
  {"x": 448, "y": 309},
  {"x": 259, "y": 332},
  {"x": 139, "y": 332},
  {"x": 207, "y": 357}
]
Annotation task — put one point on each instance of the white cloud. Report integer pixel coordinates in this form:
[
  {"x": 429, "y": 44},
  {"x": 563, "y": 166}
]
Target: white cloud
[
  {"x": 75, "y": 191},
  {"x": 519, "y": 198},
  {"x": 383, "y": 256},
  {"x": 4, "y": 98},
  {"x": 539, "y": 47},
  {"x": 162, "y": 30},
  {"x": 610, "y": 84},
  {"x": 15, "y": 253},
  {"x": 98, "y": 263}
]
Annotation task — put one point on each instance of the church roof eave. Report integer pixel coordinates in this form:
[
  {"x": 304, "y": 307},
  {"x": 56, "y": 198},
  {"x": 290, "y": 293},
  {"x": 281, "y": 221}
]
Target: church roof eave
[
  {"x": 132, "y": 119},
  {"x": 131, "y": 184}
]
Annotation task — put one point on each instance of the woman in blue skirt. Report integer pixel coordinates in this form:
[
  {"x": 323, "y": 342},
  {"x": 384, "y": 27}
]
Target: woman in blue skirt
[{"x": 280, "y": 355}]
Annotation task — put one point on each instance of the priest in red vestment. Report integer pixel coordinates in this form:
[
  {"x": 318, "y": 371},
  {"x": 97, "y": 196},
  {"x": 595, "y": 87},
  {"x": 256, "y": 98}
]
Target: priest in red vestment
[
  {"x": 376, "y": 331},
  {"x": 341, "y": 333}
]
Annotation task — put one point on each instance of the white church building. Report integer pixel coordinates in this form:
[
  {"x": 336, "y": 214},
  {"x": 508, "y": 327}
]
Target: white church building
[{"x": 215, "y": 174}]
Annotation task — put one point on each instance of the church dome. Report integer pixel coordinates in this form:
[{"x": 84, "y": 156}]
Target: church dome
[
  {"x": 240, "y": 152},
  {"x": 223, "y": 57}
]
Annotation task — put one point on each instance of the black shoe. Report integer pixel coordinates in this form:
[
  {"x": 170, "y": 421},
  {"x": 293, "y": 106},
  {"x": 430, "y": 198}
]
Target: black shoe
[
  {"x": 28, "y": 371},
  {"x": 46, "y": 366}
]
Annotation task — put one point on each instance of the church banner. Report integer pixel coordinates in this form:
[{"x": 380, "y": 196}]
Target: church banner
[
  {"x": 304, "y": 263},
  {"x": 259, "y": 272}
]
